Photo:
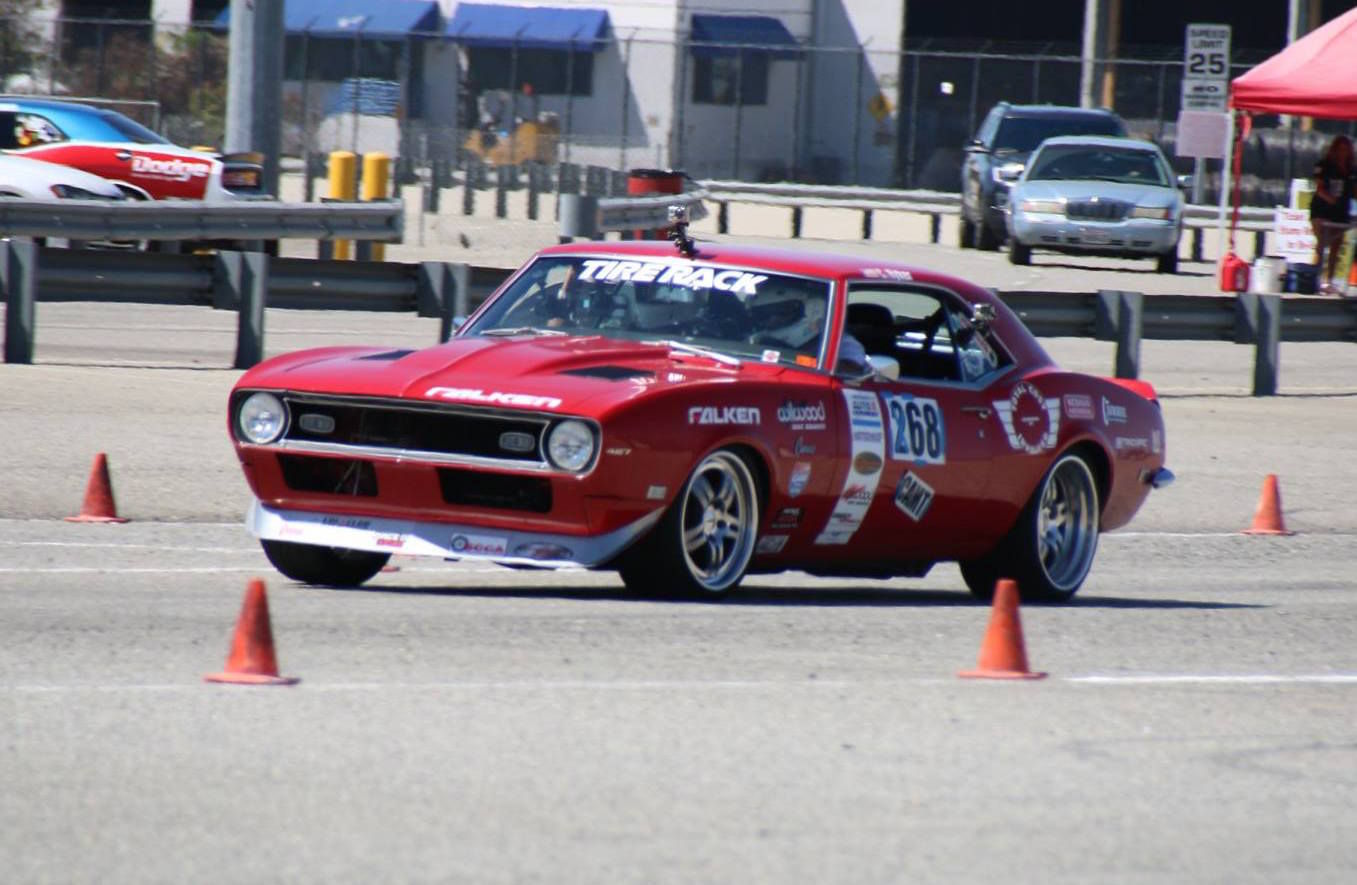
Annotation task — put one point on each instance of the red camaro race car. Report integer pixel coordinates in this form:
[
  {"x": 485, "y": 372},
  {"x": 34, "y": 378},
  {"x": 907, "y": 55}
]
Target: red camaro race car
[{"x": 688, "y": 413}]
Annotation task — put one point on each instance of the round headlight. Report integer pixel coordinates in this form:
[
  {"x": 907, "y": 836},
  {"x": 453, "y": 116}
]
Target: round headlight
[
  {"x": 261, "y": 418},
  {"x": 570, "y": 446}
]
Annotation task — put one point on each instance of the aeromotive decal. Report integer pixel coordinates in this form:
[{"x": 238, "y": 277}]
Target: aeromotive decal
[
  {"x": 1031, "y": 422},
  {"x": 859, "y": 485},
  {"x": 690, "y": 276},
  {"x": 494, "y": 397}
]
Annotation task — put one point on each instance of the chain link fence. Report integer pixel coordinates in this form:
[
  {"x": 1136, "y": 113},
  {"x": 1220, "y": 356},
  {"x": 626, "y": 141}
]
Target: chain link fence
[{"x": 829, "y": 115}]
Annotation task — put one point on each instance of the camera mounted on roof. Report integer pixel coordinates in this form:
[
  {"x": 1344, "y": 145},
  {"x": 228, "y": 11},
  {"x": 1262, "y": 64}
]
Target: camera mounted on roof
[{"x": 678, "y": 231}]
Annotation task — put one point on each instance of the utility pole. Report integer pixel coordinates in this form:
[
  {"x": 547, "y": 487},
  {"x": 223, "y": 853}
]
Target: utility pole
[{"x": 254, "y": 91}]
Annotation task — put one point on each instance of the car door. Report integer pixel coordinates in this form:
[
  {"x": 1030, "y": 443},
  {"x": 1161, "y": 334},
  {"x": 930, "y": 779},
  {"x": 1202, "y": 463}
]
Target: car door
[{"x": 938, "y": 436}]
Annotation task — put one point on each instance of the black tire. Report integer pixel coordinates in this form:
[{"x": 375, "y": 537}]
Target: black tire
[
  {"x": 324, "y": 566},
  {"x": 1018, "y": 253},
  {"x": 986, "y": 238},
  {"x": 1167, "y": 262},
  {"x": 1051, "y": 547},
  {"x": 702, "y": 546},
  {"x": 966, "y": 233}
]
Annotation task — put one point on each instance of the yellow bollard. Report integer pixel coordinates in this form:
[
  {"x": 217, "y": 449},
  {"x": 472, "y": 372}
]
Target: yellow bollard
[
  {"x": 343, "y": 186},
  {"x": 376, "y": 179}
]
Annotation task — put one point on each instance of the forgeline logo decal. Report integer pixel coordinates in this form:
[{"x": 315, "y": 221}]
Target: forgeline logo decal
[
  {"x": 1031, "y": 422},
  {"x": 169, "y": 170},
  {"x": 494, "y": 397}
]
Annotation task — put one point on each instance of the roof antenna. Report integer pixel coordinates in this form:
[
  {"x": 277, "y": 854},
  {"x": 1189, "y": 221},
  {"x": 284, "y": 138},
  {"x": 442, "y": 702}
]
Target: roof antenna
[{"x": 678, "y": 224}]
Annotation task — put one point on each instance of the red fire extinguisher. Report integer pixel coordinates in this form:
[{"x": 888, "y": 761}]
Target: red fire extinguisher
[{"x": 1234, "y": 273}]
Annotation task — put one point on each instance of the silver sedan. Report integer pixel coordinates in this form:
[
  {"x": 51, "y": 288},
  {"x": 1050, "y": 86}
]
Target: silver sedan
[{"x": 1097, "y": 196}]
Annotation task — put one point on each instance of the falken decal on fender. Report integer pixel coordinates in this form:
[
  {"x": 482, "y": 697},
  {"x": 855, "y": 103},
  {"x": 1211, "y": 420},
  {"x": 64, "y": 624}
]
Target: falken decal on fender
[
  {"x": 1031, "y": 422},
  {"x": 859, "y": 487}
]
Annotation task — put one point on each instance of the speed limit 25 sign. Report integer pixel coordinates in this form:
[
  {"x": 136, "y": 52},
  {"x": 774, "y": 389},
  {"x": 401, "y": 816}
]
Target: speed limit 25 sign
[{"x": 1206, "y": 67}]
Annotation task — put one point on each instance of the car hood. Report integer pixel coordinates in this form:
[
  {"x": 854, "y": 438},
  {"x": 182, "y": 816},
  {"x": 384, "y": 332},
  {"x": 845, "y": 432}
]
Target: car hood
[
  {"x": 572, "y": 375},
  {"x": 1138, "y": 194}
]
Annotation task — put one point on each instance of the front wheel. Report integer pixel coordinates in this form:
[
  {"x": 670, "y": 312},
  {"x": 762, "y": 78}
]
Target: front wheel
[
  {"x": 1018, "y": 253},
  {"x": 325, "y": 566},
  {"x": 1050, "y": 549},
  {"x": 702, "y": 546},
  {"x": 1167, "y": 262}
]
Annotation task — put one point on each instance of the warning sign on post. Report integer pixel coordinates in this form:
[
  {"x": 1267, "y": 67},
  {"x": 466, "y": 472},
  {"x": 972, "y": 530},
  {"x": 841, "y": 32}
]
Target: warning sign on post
[{"x": 1206, "y": 67}]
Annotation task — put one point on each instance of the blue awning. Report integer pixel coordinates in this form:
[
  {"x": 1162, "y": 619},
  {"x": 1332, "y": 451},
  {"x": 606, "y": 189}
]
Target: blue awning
[
  {"x": 344, "y": 18},
  {"x": 727, "y": 34},
  {"x": 528, "y": 27}
]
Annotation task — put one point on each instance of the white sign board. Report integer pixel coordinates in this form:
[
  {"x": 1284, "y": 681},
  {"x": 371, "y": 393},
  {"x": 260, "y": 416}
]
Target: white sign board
[
  {"x": 1295, "y": 238},
  {"x": 1206, "y": 67},
  {"x": 1202, "y": 134}
]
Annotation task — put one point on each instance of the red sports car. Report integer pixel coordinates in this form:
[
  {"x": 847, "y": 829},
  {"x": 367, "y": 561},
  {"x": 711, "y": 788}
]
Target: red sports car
[{"x": 687, "y": 413}]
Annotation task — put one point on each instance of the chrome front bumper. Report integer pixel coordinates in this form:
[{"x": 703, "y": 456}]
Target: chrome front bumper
[{"x": 441, "y": 539}]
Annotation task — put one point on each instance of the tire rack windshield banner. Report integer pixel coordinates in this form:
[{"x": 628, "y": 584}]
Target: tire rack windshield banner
[{"x": 864, "y": 470}]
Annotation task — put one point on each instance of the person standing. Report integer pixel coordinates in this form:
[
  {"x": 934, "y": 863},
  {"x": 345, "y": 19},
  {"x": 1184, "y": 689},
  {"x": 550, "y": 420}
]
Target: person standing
[{"x": 1330, "y": 206}]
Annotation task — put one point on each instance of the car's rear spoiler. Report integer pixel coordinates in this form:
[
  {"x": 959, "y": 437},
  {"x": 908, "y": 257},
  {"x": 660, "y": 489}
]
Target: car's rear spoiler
[{"x": 1140, "y": 388}]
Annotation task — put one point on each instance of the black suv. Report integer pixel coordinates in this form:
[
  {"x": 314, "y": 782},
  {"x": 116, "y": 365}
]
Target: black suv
[{"x": 995, "y": 159}]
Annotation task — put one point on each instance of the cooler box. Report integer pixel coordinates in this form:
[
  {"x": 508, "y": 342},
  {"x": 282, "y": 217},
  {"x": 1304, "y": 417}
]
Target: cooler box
[
  {"x": 1269, "y": 275},
  {"x": 1303, "y": 279}
]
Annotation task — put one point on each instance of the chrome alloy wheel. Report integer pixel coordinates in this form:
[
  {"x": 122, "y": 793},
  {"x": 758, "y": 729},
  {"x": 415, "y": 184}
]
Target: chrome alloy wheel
[
  {"x": 1067, "y": 523},
  {"x": 719, "y": 521}
]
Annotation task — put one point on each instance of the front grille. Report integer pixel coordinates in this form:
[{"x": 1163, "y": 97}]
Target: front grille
[
  {"x": 415, "y": 430},
  {"x": 1097, "y": 210},
  {"x": 333, "y": 476},
  {"x": 500, "y": 491}
]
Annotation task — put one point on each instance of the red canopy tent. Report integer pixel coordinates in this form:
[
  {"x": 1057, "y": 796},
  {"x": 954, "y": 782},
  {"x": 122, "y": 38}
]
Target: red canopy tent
[{"x": 1316, "y": 76}]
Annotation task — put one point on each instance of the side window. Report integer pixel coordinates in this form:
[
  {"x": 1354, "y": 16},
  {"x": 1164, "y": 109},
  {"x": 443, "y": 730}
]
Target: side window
[
  {"x": 911, "y": 326},
  {"x": 28, "y": 130}
]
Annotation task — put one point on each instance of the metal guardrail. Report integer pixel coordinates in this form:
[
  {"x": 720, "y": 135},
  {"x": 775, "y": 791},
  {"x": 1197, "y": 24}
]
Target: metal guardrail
[
  {"x": 247, "y": 282},
  {"x": 193, "y": 220},
  {"x": 591, "y": 217},
  {"x": 935, "y": 204}
]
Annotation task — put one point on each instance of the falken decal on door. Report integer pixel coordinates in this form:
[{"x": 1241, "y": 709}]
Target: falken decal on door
[{"x": 864, "y": 473}]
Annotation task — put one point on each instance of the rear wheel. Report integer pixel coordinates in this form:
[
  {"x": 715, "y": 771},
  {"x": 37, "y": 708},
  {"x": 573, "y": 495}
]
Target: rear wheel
[
  {"x": 703, "y": 544},
  {"x": 1050, "y": 549},
  {"x": 1018, "y": 253},
  {"x": 326, "y": 566}
]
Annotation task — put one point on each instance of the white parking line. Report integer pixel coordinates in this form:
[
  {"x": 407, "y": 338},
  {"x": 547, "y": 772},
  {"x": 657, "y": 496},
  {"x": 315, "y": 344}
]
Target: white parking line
[
  {"x": 1238, "y": 679},
  {"x": 690, "y": 684}
]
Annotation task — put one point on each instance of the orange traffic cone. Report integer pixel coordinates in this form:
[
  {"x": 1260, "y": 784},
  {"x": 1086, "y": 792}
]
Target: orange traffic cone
[
  {"x": 1267, "y": 520},
  {"x": 1002, "y": 654},
  {"x": 252, "y": 660},
  {"x": 98, "y": 505}
]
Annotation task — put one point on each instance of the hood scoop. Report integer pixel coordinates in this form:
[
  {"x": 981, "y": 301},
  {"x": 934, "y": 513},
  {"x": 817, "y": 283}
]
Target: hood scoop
[
  {"x": 611, "y": 373},
  {"x": 389, "y": 355}
]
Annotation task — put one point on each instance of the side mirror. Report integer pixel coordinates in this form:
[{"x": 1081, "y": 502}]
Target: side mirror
[{"x": 1185, "y": 182}]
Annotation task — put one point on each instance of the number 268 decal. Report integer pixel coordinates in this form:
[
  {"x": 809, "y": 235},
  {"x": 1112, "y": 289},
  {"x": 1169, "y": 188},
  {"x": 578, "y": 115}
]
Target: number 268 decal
[{"x": 917, "y": 432}]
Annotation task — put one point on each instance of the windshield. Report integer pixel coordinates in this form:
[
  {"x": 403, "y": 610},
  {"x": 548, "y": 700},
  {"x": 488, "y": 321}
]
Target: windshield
[
  {"x": 1023, "y": 134},
  {"x": 736, "y": 311},
  {"x": 1082, "y": 162}
]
